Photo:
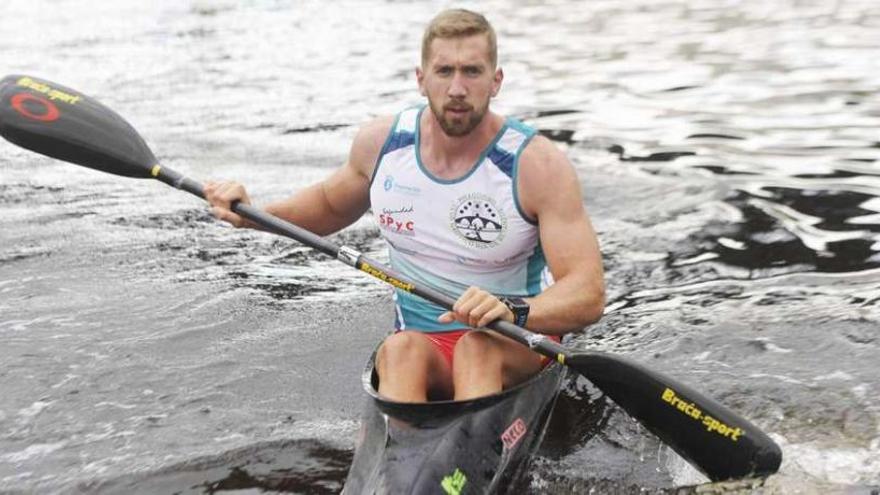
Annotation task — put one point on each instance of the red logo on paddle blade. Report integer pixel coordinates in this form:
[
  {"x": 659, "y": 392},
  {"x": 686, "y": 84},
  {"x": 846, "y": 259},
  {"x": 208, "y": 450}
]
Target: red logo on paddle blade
[
  {"x": 513, "y": 433},
  {"x": 49, "y": 113}
]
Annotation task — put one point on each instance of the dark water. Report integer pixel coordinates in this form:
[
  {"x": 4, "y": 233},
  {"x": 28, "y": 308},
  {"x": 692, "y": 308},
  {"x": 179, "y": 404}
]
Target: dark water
[{"x": 728, "y": 153}]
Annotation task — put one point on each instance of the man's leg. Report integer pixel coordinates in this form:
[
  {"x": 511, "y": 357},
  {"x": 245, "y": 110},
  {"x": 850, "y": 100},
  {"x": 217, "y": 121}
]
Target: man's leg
[
  {"x": 410, "y": 367},
  {"x": 486, "y": 362}
]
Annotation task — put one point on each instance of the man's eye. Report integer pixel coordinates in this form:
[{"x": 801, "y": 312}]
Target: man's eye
[
  {"x": 444, "y": 71},
  {"x": 472, "y": 71}
]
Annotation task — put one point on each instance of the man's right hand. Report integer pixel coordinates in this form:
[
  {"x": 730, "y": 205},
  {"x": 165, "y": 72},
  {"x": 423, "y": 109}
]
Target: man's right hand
[{"x": 221, "y": 195}]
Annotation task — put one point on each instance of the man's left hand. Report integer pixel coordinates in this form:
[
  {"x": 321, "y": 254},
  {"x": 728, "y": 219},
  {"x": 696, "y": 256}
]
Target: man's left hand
[{"x": 477, "y": 308}]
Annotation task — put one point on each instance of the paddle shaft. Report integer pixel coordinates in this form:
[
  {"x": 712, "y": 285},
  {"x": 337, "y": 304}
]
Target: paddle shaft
[{"x": 350, "y": 256}]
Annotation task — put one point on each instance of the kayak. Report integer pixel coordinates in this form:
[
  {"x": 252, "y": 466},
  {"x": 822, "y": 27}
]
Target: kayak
[{"x": 481, "y": 445}]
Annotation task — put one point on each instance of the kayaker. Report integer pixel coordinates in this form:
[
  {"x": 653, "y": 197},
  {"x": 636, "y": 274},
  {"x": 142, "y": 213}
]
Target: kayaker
[{"x": 470, "y": 202}]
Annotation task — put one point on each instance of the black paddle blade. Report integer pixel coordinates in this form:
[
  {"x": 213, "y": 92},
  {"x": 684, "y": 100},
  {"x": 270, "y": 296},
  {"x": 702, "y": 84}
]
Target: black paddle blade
[
  {"x": 62, "y": 123},
  {"x": 714, "y": 439}
]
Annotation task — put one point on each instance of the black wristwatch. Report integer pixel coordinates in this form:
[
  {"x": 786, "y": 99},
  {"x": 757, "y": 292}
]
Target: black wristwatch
[{"x": 520, "y": 309}]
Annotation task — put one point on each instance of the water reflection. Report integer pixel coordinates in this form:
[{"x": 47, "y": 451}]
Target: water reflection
[
  {"x": 825, "y": 220},
  {"x": 798, "y": 229}
]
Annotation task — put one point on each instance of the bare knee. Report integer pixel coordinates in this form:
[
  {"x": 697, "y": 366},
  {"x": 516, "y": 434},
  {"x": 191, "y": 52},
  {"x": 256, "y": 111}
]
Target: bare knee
[
  {"x": 477, "y": 349},
  {"x": 478, "y": 366},
  {"x": 410, "y": 369},
  {"x": 402, "y": 349},
  {"x": 486, "y": 362}
]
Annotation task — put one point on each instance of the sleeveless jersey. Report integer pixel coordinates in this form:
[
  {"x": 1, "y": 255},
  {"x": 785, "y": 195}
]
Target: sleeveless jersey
[{"x": 451, "y": 234}]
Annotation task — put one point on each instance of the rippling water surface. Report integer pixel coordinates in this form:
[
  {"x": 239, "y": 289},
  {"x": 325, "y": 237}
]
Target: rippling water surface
[{"x": 728, "y": 153}]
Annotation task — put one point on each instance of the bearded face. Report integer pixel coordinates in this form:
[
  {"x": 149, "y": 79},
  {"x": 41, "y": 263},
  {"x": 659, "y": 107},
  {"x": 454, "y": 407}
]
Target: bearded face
[
  {"x": 459, "y": 80},
  {"x": 458, "y": 117}
]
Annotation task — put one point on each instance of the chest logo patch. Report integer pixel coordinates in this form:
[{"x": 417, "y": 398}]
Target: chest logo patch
[{"x": 477, "y": 220}]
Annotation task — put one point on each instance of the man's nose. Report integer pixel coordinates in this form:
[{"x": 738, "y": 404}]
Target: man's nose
[{"x": 456, "y": 86}]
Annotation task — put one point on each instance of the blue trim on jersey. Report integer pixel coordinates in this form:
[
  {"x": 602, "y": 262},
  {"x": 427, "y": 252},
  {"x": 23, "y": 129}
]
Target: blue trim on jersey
[
  {"x": 537, "y": 263},
  {"x": 522, "y": 127},
  {"x": 384, "y": 149},
  {"x": 421, "y": 315},
  {"x": 415, "y": 313},
  {"x": 503, "y": 160},
  {"x": 399, "y": 140},
  {"x": 530, "y": 132}
]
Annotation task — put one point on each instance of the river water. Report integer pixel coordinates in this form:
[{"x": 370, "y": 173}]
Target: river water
[{"x": 728, "y": 152}]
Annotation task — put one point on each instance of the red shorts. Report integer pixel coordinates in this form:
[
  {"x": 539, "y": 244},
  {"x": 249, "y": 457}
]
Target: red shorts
[{"x": 445, "y": 343}]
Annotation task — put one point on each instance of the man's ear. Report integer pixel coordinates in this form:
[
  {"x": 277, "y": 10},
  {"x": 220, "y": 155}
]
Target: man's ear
[
  {"x": 420, "y": 79},
  {"x": 497, "y": 79}
]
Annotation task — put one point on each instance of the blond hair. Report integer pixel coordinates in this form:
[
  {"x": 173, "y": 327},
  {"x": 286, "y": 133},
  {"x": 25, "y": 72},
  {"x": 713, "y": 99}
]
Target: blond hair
[{"x": 459, "y": 23}]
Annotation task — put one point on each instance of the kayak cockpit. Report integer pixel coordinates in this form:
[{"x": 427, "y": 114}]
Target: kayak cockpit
[{"x": 472, "y": 446}]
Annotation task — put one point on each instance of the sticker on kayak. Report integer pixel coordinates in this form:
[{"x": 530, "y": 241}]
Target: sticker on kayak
[
  {"x": 513, "y": 434},
  {"x": 453, "y": 483}
]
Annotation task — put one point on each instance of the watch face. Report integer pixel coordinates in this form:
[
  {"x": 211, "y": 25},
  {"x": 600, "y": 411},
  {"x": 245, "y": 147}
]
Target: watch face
[{"x": 516, "y": 304}]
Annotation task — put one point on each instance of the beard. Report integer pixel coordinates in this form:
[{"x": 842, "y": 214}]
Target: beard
[{"x": 458, "y": 125}]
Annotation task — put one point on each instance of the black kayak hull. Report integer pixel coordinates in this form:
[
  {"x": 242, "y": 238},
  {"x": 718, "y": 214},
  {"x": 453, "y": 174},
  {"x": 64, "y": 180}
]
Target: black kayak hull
[{"x": 482, "y": 445}]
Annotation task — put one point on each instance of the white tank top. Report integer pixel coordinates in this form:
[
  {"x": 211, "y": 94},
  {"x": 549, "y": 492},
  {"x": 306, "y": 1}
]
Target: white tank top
[{"x": 452, "y": 234}]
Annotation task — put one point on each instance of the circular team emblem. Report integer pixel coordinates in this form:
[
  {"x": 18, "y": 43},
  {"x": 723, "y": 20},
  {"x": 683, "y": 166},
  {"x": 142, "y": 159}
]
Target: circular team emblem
[{"x": 478, "y": 220}]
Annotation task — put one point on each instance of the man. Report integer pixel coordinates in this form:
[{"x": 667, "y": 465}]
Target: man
[{"x": 470, "y": 203}]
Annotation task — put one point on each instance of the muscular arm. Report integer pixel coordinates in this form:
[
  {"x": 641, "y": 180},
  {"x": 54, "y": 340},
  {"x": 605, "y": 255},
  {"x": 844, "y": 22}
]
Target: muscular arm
[
  {"x": 324, "y": 207},
  {"x": 577, "y": 298}
]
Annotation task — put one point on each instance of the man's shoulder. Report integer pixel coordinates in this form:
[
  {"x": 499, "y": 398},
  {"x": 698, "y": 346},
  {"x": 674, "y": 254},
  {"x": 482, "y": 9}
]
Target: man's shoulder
[
  {"x": 541, "y": 155},
  {"x": 540, "y": 161},
  {"x": 375, "y": 128},
  {"x": 368, "y": 143}
]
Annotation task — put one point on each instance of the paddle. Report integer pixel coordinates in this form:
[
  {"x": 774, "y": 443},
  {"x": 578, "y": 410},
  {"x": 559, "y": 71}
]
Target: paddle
[{"x": 62, "y": 123}]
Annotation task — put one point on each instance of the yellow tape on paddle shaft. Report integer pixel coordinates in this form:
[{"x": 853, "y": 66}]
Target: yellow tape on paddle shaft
[
  {"x": 155, "y": 170},
  {"x": 375, "y": 272}
]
